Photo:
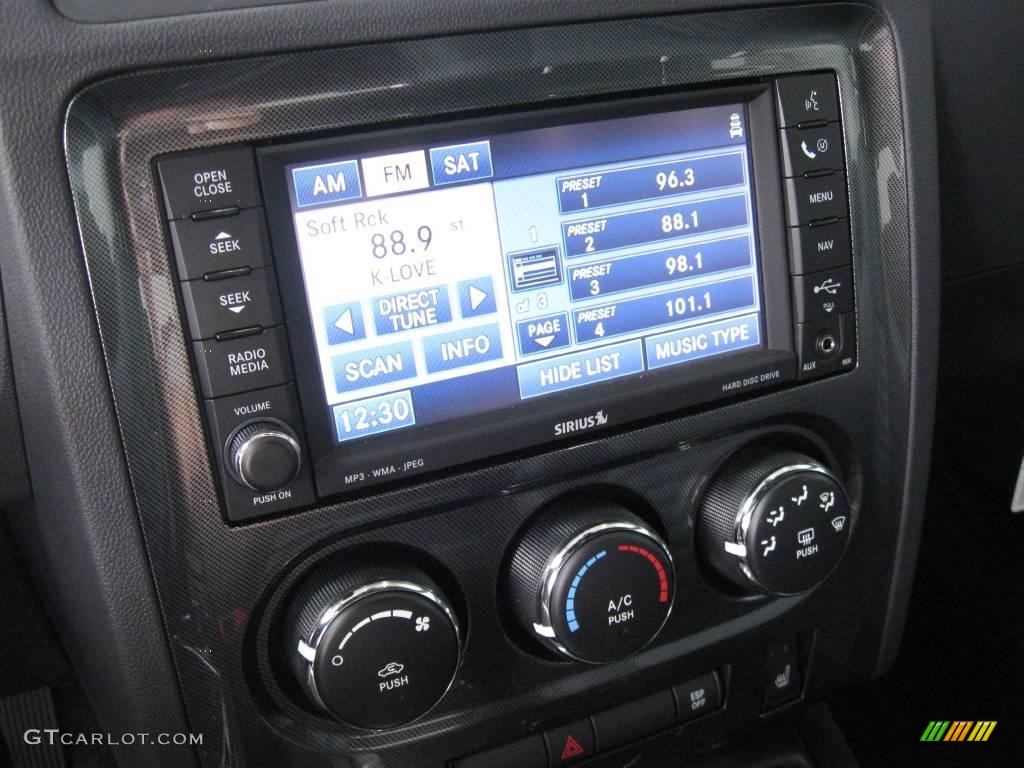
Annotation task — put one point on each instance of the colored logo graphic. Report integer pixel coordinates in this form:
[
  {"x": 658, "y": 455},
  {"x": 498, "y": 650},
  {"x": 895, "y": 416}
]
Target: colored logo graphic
[{"x": 958, "y": 730}]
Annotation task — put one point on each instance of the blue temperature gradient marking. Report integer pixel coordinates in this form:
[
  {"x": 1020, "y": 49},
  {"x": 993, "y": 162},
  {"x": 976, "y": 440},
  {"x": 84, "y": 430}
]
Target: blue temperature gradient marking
[{"x": 570, "y": 598}]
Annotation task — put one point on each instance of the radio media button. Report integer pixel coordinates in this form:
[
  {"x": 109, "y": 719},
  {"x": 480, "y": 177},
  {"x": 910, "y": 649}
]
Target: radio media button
[
  {"x": 814, "y": 198},
  {"x": 220, "y": 243},
  {"x": 207, "y": 181},
  {"x": 238, "y": 365},
  {"x": 818, "y": 247},
  {"x": 807, "y": 99},
  {"x": 821, "y": 294},
  {"x": 468, "y": 346},
  {"x": 812, "y": 149},
  {"x": 214, "y": 306}
]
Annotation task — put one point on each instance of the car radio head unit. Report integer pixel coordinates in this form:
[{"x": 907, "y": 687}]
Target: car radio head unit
[
  {"x": 455, "y": 291},
  {"x": 447, "y": 281}
]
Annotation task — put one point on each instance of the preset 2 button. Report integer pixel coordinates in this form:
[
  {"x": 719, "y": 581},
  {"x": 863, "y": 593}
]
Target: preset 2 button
[
  {"x": 239, "y": 302},
  {"x": 238, "y": 365}
]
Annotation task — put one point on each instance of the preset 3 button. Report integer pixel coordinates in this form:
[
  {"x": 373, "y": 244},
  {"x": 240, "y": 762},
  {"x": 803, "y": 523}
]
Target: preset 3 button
[{"x": 215, "y": 306}]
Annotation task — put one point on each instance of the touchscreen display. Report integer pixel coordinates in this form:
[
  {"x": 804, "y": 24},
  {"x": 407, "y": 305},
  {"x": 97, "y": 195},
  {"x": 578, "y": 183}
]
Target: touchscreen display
[{"x": 472, "y": 276}]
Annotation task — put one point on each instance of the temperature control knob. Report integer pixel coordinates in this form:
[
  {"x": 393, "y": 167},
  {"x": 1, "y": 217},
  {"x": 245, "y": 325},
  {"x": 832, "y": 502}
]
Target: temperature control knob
[
  {"x": 264, "y": 455},
  {"x": 376, "y": 648},
  {"x": 592, "y": 581},
  {"x": 776, "y": 521}
]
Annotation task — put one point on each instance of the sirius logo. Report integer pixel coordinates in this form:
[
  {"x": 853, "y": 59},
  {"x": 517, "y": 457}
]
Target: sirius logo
[{"x": 583, "y": 423}]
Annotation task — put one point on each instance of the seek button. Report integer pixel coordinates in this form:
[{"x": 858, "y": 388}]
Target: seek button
[{"x": 238, "y": 302}]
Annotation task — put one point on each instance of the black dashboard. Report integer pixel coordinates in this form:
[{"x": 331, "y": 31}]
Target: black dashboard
[{"x": 479, "y": 384}]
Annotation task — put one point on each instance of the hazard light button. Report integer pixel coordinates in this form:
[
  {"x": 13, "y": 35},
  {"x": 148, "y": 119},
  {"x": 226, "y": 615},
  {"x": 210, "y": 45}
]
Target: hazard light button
[{"x": 570, "y": 743}]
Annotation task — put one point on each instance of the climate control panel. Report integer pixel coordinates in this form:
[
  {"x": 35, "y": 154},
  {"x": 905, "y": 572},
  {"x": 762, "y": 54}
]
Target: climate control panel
[{"x": 591, "y": 582}]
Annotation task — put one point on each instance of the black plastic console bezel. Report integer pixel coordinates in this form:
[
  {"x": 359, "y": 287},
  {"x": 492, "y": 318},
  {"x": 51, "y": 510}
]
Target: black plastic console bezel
[{"x": 440, "y": 447}]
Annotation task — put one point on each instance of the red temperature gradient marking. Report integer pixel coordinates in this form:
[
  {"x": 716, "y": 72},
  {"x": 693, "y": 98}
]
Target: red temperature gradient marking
[{"x": 662, "y": 576}]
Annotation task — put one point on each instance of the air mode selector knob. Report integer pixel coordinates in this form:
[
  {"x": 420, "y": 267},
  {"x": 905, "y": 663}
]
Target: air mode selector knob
[
  {"x": 591, "y": 581},
  {"x": 375, "y": 647},
  {"x": 264, "y": 455},
  {"x": 774, "y": 521}
]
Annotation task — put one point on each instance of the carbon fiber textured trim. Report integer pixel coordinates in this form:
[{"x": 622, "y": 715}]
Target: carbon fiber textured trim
[{"x": 222, "y": 588}]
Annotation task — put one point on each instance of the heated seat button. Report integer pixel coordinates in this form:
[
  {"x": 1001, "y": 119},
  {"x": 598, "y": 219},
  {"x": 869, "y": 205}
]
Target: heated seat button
[
  {"x": 698, "y": 696},
  {"x": 239, "y": 365},
  {"x": 782, "y": 675},
  {"x": 806, "y": 99},
  {"x": 635, "y": 720},
  {"x": 823, "y": 294},
  {"x": 220, "y": 243},
  {"x": 570, "y": 743},
  {"x": 208, "y": 181},
  {"x": 819, "y": 247},
  {"x": 805, "y": 150},
  {"x": 815, "y": 198},
  {"x": 215, "y": 306}
]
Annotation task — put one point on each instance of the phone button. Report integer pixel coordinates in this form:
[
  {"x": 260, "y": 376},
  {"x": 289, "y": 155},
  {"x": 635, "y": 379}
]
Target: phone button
[{"x": 805, "y": 150}]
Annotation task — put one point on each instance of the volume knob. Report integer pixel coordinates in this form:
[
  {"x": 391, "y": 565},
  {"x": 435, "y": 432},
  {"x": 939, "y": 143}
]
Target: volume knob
[{"x": 264, "y": 455}]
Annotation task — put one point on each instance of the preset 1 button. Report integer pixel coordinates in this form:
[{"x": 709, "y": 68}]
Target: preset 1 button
[
  {"x": 214, "y": 306},
  {"x": 238, "y": 365}
]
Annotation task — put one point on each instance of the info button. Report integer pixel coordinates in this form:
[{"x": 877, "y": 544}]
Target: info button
[
  {"x": 580, "y": 368},
  {"x": 461, "y": 348}
]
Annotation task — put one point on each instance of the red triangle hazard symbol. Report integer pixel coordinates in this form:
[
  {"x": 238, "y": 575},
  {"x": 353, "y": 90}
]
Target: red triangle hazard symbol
[{"x": 572, "y": 748}]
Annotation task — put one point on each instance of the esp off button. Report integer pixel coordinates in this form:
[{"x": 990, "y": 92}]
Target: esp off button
[{"x": 207, "y": 181}]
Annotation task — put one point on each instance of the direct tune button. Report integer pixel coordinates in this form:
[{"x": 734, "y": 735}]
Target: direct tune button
[
  {"x": 592, "y": 583},
  {"x": 779, "y": 523},
  {"x": 377, "y": 655}
]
